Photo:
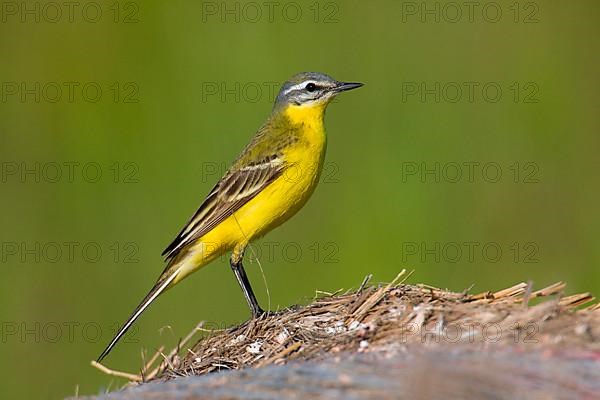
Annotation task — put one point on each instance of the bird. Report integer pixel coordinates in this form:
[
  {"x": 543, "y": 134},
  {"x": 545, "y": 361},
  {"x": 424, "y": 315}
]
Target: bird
[{"x": 269, "y": 182}]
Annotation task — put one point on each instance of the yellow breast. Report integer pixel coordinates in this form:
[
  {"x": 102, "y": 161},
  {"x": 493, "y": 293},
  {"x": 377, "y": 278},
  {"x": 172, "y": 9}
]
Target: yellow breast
[
  {"x": 304, "y": 159},
  {"x": 282, "y": 198}
]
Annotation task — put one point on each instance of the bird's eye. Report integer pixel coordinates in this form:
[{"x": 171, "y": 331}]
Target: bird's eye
[{"x": 311, "y": 87}]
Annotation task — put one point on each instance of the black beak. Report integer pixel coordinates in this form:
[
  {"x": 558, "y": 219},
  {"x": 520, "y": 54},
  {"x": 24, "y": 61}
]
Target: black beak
[{"x": 344, "y": 86}]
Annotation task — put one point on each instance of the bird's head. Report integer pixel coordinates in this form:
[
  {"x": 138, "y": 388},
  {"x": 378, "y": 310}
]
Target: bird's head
[{"x": 311, "y": 90}]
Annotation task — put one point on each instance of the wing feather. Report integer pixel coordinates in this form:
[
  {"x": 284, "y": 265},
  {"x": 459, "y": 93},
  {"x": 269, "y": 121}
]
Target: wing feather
[{"x": 235, "y": 189}]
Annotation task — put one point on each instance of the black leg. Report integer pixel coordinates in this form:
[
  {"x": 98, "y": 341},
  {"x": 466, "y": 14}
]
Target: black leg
[{"x": 240, "y": 275}]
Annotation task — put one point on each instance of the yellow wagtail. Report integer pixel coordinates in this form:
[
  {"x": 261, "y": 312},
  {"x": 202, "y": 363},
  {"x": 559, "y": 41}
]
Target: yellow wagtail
[{"x": 255, "y": 195}]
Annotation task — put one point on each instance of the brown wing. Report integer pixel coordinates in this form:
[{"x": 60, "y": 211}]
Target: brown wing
[{"x": 234, "y": 190}]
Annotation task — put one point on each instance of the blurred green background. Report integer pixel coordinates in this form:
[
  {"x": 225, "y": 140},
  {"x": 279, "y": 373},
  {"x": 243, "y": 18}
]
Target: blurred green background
[{"x": 97, "y": 179}]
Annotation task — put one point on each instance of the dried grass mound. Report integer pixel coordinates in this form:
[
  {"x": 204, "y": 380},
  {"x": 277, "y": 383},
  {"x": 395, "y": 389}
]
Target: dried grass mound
[{"x": 380, "y": 318}]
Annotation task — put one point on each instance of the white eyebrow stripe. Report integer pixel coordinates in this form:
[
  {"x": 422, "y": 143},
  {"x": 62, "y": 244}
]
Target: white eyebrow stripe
[{"x": 298, "y": 86}]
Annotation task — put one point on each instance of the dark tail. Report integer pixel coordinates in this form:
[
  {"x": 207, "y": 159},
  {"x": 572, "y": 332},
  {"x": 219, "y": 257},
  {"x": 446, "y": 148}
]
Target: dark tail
[{"x": 160, "y": 287}]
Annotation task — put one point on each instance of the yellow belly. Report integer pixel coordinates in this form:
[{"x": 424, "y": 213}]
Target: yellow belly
[
  {"x": 274, "y": 205},
  {"x": 279, "y": 201}
]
